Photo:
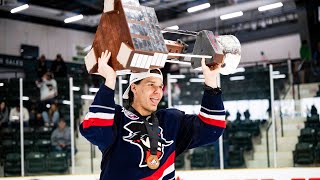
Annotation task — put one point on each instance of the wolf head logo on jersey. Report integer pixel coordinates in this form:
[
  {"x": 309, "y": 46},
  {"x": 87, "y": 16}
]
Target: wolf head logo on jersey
[{"x": 138, "y": 135}]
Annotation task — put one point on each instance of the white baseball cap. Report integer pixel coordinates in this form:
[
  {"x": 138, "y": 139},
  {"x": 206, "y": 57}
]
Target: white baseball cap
[{"x": 134, "y": 77}]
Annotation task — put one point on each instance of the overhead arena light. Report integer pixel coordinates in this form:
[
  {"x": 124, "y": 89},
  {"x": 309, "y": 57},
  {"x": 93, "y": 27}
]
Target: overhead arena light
[
  {"x": 25, "y": 98},
  {"x": 20, "y": 8},
  {"x": 177, "y": 76},
  {"x": 270, "y": 6},
  {"x": 73, "y": 18},
  {"x": 75, "y": 88},
  {"x": 279, "y": 76},
  {"x": 173, "y": 80},
  {"x": 1, "y": 84},
  {"x": 276, "y": 72},
  {"x": 198, "y": 8},
  {"x": 87, "y": 97},
  {"x": 237, "y": 78},
  {"x": 240, "y": 69},
  {"x": 196, "y": 80},
  {"x": 94, "y": 90},
  {"x": 231, "y": 15}
]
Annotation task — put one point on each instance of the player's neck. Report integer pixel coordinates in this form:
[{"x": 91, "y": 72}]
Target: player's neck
[{"x": 140, "y": 109}]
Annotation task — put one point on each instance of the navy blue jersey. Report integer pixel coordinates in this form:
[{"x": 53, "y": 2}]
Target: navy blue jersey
[{"x": 122, "y": 135}]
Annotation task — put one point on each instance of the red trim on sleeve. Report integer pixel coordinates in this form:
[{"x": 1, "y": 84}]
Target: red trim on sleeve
[
  {"x": 213, "y": 122},
  {"x": 97, "y": 122},
  {"x": 160, "y": 171}
]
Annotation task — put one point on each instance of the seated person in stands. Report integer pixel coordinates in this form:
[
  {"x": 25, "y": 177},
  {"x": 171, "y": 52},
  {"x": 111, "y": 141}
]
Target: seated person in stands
[
  {"x": 33, "y": 111},
  {"x": 51, "y": 116},
  {"x": 14, "y": 117},
  {"x": 4, "y": 114},
  {"x": 61, "y": 137},
  {"x": 246, "y": 116},
  {"x": 314, "y": 110},
  {"x": 48, "y": 89},
  {"x": 238, "y": 118},
  {"x": 37, "y": 121}
]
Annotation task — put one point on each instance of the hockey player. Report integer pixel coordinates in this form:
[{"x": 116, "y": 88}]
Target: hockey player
[{"x": 139, "y": 142}]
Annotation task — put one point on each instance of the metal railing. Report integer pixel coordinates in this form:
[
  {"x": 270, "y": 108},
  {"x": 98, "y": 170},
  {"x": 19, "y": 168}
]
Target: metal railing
[{"x": 267, "y": 143}]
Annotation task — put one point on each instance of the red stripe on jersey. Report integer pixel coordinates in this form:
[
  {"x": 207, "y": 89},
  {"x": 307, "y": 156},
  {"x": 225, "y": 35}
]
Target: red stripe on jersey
[
  {"x": 160, "y": 171},
  {"x": 97, "y": 122},
  {"x": 213, "y": 122}
]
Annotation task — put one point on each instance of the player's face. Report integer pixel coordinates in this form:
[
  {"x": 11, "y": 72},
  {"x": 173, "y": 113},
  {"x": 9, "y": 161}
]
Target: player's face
[{"x": 147, "y": 95}]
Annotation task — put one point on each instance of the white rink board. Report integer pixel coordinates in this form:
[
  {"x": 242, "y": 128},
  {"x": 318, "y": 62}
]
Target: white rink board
[
  {"x": 240, "y": 174},
  {"x": 56, "y": 177},
  {"x": 251, "y": 174}
]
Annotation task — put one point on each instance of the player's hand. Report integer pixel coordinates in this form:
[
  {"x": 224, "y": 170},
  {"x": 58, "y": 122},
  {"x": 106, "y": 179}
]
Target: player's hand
[
  {"x": 210, "y": 73},
  {"x": 105, "y": 70}
]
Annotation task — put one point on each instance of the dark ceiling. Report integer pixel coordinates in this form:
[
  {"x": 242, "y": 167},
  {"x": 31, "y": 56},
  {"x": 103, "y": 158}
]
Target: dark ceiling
[
  {"x": 85, "y": 7},
  {"x": 251, "y": 26},
  {"x": 166, "y": 9}
]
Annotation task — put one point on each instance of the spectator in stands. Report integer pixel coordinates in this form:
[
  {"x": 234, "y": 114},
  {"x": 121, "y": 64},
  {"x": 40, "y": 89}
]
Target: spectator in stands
[
  {"x": 4, "y": 114},
  {"x": 227, "y": 115},
  {"x": 314, "y": 110},
  {"x": 316, "y": 60},
  {"x": 14, "y": 116},
  {"x": 246, "y": 115},
  {"x": 36, "y": 119},
  {"x": 52, "y": 116},
  {"x": 33, "y": 111},
  {"x": 61, "y": 137},
  {"x": 58, "y": 67},
  {"x": 42, "y": 66},
  {"x": 48, "y": 89},
  {"x": 238, "y": 118},
  {"x": 305, "y": 55}
]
